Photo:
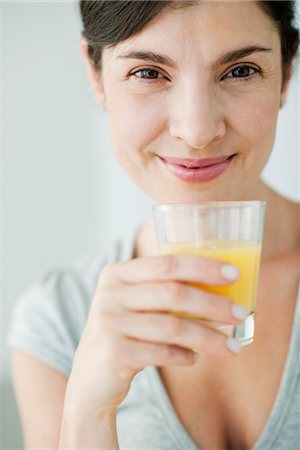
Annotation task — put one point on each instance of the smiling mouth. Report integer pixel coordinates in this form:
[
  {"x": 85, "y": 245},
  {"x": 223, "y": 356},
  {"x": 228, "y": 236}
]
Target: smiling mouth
[{"x": 197, "y": 170}]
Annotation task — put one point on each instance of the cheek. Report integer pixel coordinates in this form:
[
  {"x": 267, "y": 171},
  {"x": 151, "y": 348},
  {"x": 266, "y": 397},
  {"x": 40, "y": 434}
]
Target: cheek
[
  {"x": 134, "y": 123},
  {"x": 263, "y": 118},
  {"x": 256, "y": 121}
]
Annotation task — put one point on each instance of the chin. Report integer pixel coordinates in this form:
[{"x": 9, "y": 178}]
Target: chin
[{"x": 194, "y": 197}]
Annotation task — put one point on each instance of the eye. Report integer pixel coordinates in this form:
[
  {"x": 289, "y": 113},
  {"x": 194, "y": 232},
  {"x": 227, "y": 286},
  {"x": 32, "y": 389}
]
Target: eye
[
  {"x": 242, "y": 72},
  {"x": 148, "y": 74}
]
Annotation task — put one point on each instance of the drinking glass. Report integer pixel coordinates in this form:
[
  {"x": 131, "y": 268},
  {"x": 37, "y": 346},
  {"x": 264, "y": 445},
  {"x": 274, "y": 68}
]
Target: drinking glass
[{"x": 228, "y": 231}]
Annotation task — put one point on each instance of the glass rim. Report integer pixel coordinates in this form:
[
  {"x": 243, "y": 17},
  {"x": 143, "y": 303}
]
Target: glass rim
[{"x": 209, "y": 204}]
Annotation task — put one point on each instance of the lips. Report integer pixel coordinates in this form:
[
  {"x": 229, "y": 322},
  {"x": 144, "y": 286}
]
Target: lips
[{"x": 197, "y": 170}]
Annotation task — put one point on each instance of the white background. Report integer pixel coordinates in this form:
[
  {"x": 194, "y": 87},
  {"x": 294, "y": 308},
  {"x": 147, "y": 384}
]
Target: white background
[{"x": 63, "y": 194}]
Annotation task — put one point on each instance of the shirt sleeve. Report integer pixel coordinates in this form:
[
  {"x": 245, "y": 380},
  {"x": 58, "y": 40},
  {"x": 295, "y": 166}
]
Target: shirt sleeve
[{"x": 49, "y": 318}]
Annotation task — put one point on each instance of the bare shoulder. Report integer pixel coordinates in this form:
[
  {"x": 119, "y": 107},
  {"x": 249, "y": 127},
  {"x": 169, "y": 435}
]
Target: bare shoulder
[
  {"x": 295, "y": 213},
  {"x": 40, "y": 392},
  {"x": 292, "y": 217},
  {"x": 295, "y": 255}
]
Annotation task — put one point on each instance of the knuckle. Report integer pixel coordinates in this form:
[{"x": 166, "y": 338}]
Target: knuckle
[
  {"x": 227, "y": 305},
  {"x": 163, "y": 352},
  {"x": 206, "y": 339},
  {"x": 224, "y": 305},
  {"x": 173, "y": 325},
  {"x": 107, "y": 275},
  {"x": 108, "y": 271},
  {"x": 173, "y": 291},
  {"x": 166, "y": 265},
  {"x": 221, "y": 304}
]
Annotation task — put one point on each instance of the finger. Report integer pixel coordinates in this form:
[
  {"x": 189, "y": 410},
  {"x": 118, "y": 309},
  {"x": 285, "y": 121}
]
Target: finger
[
  {"x": 139, "y": 354},
  {"x": 172, "y": 330},
  {"x": 176, "y": 297},
  {"x": 171, "y": 267}
]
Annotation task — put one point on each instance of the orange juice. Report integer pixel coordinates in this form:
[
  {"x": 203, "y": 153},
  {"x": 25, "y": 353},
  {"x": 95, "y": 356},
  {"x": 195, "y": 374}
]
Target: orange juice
[{"x": 245, "y": 255}]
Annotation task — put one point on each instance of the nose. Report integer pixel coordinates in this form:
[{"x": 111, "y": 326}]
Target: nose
[{"x": 197, "y": 118}]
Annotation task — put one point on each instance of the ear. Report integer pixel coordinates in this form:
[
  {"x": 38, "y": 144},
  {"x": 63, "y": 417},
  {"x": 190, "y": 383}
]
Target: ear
[{"x": 93, "y": 75}]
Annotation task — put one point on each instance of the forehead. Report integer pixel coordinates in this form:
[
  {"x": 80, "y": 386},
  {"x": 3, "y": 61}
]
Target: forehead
[{"x": 204, "y": 28}]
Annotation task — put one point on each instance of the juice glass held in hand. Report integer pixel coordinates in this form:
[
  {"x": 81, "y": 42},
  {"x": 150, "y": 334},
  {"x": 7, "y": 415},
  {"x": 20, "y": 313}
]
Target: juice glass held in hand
[{"x": 228, "y": 231}]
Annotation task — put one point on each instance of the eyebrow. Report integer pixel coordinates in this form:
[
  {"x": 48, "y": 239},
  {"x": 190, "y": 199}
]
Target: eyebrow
[
  {"x": 242, "y": 53},
  {"x": 167, "y": 61},
  {"x": 148, "y": 56}
]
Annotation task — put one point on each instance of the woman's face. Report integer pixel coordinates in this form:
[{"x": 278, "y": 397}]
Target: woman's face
[{"x": 186, "y": 88}]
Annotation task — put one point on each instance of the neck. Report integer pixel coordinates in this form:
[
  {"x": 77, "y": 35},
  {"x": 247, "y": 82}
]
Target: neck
[{"x": 281, "y": 231}]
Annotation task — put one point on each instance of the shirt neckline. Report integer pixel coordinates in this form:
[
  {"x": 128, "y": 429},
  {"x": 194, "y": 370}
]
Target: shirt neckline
[{"x": 279, "y": 410}]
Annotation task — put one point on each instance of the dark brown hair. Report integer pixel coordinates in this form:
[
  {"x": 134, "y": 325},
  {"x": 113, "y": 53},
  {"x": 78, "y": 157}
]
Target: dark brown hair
[{"x": 108, "y": 22}]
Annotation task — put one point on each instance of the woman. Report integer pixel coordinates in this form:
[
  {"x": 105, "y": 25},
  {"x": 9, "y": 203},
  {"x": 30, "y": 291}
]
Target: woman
[{"x": 98, "y": 362}]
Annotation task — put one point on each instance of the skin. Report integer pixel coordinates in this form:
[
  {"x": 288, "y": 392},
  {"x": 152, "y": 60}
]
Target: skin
[
  {"x": 193, "y": 106},
  {"x": 196, "y": 110}
]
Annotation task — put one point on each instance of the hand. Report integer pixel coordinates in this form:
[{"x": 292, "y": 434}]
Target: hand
[{"x": 131, "y": 323}]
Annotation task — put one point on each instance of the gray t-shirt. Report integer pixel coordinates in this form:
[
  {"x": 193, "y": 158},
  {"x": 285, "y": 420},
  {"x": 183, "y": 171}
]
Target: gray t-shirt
[{"x": 48, "y": 322}]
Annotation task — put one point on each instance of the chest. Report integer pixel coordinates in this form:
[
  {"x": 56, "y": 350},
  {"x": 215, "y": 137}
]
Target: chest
[{"x": 226, "y": 405}]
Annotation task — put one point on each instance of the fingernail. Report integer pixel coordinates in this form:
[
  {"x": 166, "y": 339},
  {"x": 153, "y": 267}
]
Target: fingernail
[
  {"x": 233, "y": 345},
  {"x": 239, "y": 312},
  {"x": 230, "y": 272}
]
